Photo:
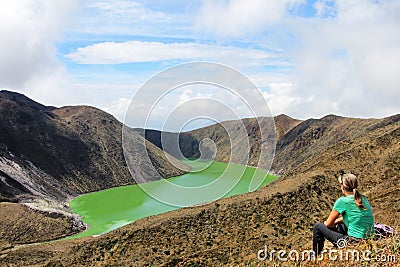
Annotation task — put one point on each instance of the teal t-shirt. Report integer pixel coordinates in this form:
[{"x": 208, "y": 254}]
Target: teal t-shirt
[{"x": 360, "y": 223}]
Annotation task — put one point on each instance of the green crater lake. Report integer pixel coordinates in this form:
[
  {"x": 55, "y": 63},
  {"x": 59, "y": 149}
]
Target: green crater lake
[{"x": 110, "y": 209}]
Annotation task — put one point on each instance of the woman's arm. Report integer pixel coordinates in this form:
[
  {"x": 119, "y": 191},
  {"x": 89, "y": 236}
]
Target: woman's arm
[{"x": 331, "y": 219}]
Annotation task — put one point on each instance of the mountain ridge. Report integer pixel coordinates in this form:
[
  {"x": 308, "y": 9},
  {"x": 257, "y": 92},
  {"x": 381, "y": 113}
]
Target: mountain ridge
[
  {"x": 231, "y": 231},
  {"x": 75, "y": 149}
]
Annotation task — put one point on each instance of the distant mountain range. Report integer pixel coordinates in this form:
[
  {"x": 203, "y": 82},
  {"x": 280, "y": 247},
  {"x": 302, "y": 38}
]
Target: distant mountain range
[
  {"x": 57, "y": 153},
  {"x": 296, "y": 140}
]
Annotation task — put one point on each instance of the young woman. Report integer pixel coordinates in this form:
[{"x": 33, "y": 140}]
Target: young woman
[{"x": 356, "y": 222}]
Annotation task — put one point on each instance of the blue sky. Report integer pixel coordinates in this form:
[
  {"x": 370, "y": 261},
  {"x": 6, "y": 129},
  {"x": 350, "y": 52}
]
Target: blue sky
[{"x": 309, "y": 58}]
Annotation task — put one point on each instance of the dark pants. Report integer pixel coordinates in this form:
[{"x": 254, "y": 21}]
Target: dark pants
[{"x": 321, "y": 232}]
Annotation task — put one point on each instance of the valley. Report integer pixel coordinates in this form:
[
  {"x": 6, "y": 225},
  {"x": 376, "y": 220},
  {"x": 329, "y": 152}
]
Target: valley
[{"x": 52, "y": 155}]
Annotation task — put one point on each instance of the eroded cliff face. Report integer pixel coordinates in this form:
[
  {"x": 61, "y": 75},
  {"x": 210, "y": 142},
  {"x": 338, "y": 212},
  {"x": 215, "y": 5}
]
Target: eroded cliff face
[{"x": 57, "y": 153}]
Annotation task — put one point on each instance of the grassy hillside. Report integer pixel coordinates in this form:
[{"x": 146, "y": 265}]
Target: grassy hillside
[{"x": 231, "y": 231}]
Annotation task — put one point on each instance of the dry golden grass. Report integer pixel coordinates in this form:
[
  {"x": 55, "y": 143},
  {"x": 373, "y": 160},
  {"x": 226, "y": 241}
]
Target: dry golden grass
[
  {"x": 378, "y": 252},
  {"x": 371, "y": 252},
  {"x": 231, "y": 231}
]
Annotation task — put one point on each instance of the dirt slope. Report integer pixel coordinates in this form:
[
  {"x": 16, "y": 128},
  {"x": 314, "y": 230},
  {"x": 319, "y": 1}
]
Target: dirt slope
[
  {"x": 231, "y": 231},
  {"x": 57, "y": 153},
  {"x": 49, "y": 155},
  {"x": 21, "y": 225}
]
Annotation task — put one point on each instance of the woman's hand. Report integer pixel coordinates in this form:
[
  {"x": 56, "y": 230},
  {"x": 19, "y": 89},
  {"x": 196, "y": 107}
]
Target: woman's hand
[
  {"x": 338, "y": 220},
  {"x": 332, "y": 218}
]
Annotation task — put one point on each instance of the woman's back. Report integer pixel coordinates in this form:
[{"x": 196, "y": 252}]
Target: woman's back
[{"x": 359, "y": 221}]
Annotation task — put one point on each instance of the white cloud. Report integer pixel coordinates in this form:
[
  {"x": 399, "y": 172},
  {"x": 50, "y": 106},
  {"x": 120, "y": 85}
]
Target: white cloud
[
  {"x": 240, "y": 18},
  {"x": 281, "y": 97},
  {"x": 118, "y": 108},
  {"x": 130, "y": 11},
  {"x": 324, "y": 8},
  {"x": 28, "y": 59},
  {"x": 127, "y": 17},
  {"x": 189, "y": 106},
  {"x": 342, "y": 61},
  {"x": 348, "y": 64},
  {"x": 346, "y": 57},
  {"x": 138, "y": 51}
]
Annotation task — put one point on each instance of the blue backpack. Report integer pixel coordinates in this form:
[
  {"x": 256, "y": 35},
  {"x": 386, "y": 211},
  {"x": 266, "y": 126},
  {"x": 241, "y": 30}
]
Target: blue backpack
[{"x": 383, "y": 230}]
